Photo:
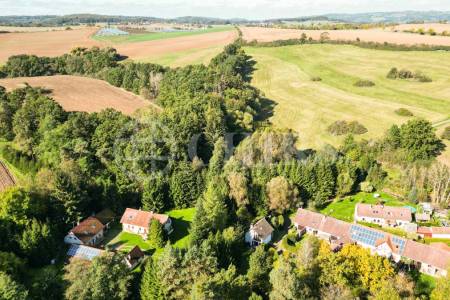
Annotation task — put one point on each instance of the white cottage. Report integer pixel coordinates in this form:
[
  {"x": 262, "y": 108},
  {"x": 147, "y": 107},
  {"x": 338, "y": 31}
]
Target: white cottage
[
  {"x": 138, "y": 221},
  {"x": 383, "y": 215},
  {"x": 259, "y": 233},
  {"x": 89, "y": 232}
]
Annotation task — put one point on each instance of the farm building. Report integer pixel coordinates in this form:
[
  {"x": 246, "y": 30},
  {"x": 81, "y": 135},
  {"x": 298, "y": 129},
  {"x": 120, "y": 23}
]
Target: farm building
[
  {"x": 109, "y": 31},
  {"x": 137, "y": 221},
  {"x": 6, "y": 178},
  {"x": 383, "y": 215},
  {"x": 134, "y": 257},
  {"x": 259, "y": 233},
  {"x": 430, "y": 260},
  {"x": 434, "y": 232},
  {"x": 422, "y": 217},
  {"x": 89, "y": 232}
]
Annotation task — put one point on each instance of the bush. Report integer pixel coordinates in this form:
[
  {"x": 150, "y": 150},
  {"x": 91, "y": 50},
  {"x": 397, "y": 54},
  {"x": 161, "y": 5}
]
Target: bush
[
  {"x": 404, "y": 112},
  {"x": 356, "y": 128},
  {"x": 422, "y": 77},
  {"x": 366, "y": 187},
  {"x": 344, "y": 127},
  {"x": 393, "y": 74},
  {"x": 446, "y": 133},
  {"x": 316, "y": 78},
  {"x": 364, "y": 83}
]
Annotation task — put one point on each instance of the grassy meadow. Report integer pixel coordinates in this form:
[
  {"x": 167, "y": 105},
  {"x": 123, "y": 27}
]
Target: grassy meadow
[
  {"x": 186, "y": 57},
  {"x": 152, "y": 36},
  {"x": 309, "y": 107}
]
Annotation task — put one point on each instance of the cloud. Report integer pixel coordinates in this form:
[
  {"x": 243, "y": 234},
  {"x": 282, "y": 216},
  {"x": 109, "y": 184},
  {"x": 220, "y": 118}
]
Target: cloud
[{"x": 257, "y": 9}]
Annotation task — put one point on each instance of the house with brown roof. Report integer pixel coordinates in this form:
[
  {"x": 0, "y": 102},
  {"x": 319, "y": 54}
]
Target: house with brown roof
[
  {"x": 134, "y": 257},
  {"x": 260, "y": 233},
  {"x": 383, "y": 215},
  {"x": 137, "y": 221},
  {"x": 89, "y": 233},
  {"x": 431, "y": 260},
  {"x": 434, "y": 232}
]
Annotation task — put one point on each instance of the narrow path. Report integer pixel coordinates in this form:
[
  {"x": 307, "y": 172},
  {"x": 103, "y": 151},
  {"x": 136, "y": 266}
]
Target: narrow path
[{"x": 441, "y": 123}]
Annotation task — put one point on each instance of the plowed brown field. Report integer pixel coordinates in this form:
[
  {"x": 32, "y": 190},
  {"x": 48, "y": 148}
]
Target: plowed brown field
[
  {"x": 6, "y": 178},
  {"x": 373, "y": 35},
  {"x": 75, "y": 93},
  {"x": 54, "y": 43}
]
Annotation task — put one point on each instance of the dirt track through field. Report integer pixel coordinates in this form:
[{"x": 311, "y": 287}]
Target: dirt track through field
[
  {"x": 6, "y": 178},
  {"x": 75, "y": 93},
  {"x": 56, "y": 43},
  {"x": 372, "y": 35}
]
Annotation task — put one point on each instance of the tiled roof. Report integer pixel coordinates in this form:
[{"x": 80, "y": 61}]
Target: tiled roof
[
  {"x": 433, "y": 230},
  {"x": 389, "y": 213},
  {"x": 141, "y": 218},
  {"x": 87, "y": 229},
  {"x": 372, "y": 237},
  {"x": 262, "y": 228},
  {"x": 427, "y": 254},
  {"x": 337, "y": 228}
]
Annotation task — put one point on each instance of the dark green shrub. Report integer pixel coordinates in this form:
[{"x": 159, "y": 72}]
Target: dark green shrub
[
  {"x": 364, "y": 83},
  {"x": 316, "y": 78},
  {"x": 446, "y": 133},
  {"x": 393, "y": 74},
  {"x": 404, "y": 112},
  {"x": 344, "y": 127},
  {"x": 355, "y": 127},
  {"x": 405, "y": 74},
  {"x": 422, "y": 77}
]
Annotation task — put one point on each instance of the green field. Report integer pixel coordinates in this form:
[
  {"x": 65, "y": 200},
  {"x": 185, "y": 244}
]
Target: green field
[
  {"x": 152, "y": 36},
  {"x": 284, "y": 75},
  {"x": 184, "y": 58}
]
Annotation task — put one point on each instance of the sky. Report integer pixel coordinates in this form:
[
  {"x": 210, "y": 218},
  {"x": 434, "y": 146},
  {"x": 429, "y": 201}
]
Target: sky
[{"x": 250, "y": 9}]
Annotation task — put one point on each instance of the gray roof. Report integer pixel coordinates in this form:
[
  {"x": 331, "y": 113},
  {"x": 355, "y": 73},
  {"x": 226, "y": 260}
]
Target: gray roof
[{"x": 262, "y": 228}]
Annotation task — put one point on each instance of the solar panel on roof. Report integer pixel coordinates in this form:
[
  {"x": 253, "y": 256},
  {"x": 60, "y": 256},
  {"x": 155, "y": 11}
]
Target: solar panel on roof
[{"x": 83, "y": 252}]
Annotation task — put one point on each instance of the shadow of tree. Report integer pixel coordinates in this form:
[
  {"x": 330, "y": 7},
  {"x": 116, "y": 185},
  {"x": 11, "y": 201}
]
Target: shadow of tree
[{"x": 180, "y": 230}]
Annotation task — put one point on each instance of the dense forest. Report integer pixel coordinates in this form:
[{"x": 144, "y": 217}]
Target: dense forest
[{"x": 209, "y": 147}]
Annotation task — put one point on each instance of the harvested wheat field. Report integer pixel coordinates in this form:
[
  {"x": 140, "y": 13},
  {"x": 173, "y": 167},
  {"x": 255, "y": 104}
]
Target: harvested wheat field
[
  {"x": 437, "y": 27},
  {"x": 149, "y": 49},
  {"x": 6, "y": 178},
  {"x": 38, "y": 28},
  {"x": 371, "y": 35},
  {"x": 75, "y": 93},
  {"x": 50, "y": 43}
]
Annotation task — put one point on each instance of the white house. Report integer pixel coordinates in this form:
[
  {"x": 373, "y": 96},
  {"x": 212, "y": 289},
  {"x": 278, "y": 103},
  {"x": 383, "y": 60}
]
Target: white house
[
  {"x": 259, "y": 233},
  {"x": 89, "y": 232},
  {"x": 434, "y": 232},
  {"x": 138, "y": 221},
  {"x": 383, "y": 215},
  {"x": 430, "y": 260}
]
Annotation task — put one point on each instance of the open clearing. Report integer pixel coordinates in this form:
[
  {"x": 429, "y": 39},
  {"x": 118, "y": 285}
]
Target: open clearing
[
  {"x": 54, "y": 43},
  {"x": 284, "y": 75},
  {"x": 6, "y": 178},
  {"x": 75, "y": 93},
  {"x": 372, "y": 35}
]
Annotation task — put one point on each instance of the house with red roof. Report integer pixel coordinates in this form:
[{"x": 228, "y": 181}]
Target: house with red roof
[
  {"x": 431, "y": 260},
  {"x": 138, "y": 221},
  {"x": 383, "y": 215},
  {"x": 89, "y": 232},
  {"x": 434, "y": 232}
]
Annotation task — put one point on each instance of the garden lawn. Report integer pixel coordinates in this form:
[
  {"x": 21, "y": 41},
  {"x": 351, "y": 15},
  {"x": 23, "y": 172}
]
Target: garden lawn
[
  {"x": 179, "y": 238},
  {"x": 344, "y": 209},
  {"x": 152, "y": 36}
]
